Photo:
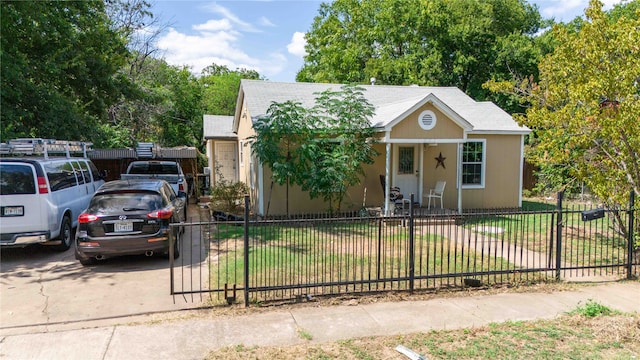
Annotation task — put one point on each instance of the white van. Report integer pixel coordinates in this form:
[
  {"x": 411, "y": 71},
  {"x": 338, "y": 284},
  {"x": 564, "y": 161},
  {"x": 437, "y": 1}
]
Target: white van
[{"x": 41, "y": 198}]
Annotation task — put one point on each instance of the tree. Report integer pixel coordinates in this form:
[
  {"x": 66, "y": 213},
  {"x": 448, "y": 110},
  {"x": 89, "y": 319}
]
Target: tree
[
  {"x": 341, "y": 143},
  {"x": 59, "y": 64},
  {"x": 585, "y": 108},
  {"x": 133, "y": 117},
  {"x": 322, "y": 148},
  {"x": 221, "y": 87},
  {"x": 460, "y": 43},
  {"x": 279, "y": 138},
  {"x": 181, "y": 122}
]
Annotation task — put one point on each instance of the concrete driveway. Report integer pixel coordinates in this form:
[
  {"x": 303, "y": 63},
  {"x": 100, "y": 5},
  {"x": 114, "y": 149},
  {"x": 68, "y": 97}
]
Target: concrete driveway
[{"x": 40, "y": 287}]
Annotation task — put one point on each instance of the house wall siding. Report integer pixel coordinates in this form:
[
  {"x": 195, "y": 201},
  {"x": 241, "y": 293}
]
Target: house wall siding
[
  {"x": 501, "y": 178},
  {"x": 432, "y": 173},
  {"x": 245, "y": 159},
  {"x": 502, "y": 174},
  {"x": 409, "y": 128}
]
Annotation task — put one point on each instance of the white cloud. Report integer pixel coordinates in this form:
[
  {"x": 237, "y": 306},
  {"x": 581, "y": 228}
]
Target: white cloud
[
  {"x": 559, "y": 9},
  {"x": 220, "y": 10},
  {"x": 214, "y": 25},
  {"x": 567, "y": 10},
  {"x": 220, "y": 37},
  {"x": 266, "y": 22},
  {"x": 215, "y": 43},
  {"x": 296, "y": 46}
]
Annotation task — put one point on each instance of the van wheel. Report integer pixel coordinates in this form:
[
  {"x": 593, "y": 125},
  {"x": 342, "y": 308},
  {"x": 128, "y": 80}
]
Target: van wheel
[{"x": 66, "y": 232}]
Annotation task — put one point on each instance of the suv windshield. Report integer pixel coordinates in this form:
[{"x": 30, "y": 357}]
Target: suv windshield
[{"x": 16, "y": 179}]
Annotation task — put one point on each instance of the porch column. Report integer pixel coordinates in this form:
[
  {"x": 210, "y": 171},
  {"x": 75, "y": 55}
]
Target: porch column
[
  {"x": 459, "y": 177},
  {"x": 387, "y": 185}
]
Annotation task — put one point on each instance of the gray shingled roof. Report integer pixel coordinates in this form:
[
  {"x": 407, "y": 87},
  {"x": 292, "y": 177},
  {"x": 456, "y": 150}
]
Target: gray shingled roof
[
  {"x": 391, "y": 102},
  {"x": 218, "y": 127}
]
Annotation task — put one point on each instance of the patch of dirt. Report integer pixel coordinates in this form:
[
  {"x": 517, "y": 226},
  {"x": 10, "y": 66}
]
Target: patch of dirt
[{"x": 391, "y": 296}]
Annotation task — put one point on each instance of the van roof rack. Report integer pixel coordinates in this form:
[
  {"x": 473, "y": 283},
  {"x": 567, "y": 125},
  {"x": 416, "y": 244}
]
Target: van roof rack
[{"x": 45, "y": 147}]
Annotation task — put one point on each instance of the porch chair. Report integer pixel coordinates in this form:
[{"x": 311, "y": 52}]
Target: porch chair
[
  {"x": 437, "y": 192},
  {"x": 395, "y": 197}
]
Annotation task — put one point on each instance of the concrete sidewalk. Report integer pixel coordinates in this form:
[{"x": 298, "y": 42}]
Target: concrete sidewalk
[{"x": 193, "y": 337}]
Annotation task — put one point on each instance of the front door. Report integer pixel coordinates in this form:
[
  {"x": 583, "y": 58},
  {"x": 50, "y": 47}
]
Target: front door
[
  {"x": 226, "y": 161},
  {"x": 406, "y": 170}
]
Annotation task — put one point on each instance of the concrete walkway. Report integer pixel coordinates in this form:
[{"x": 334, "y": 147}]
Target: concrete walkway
[{"x": 198, "y": 332}]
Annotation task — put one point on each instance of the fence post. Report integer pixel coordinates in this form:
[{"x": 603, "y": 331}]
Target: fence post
[
  {"x": 559, "y": 237},
  {"x": 412, "y": 251},
  {"x": 630, "y": 235},
  {"x": 246, "y": 250},
  {"x": 172, "y": 240}
]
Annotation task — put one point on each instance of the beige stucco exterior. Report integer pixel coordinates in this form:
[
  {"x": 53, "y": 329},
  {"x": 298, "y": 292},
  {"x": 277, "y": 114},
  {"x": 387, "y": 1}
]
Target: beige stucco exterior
[
  {"x": 409, "y": 128},
  {"x": 501, "y": 187},
  {"x": 502, "y": 184},
  {"x": 414, "y": 151}
]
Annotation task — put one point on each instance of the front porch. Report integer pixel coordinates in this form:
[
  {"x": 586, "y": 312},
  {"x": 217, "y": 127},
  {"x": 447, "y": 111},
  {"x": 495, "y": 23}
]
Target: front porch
[{"x": 418, "y": 167}]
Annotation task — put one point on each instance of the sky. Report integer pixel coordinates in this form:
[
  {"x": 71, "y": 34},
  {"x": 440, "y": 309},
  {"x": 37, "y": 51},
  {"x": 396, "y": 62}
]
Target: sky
[{"x": 266, "y": 36}]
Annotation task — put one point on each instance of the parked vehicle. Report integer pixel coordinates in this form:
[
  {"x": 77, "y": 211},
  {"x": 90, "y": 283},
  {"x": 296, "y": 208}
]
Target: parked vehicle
[
  {"x": 42, "y": 196},
  {"x": 170, "y": 171},
  {"x": 129, "y": 217}
]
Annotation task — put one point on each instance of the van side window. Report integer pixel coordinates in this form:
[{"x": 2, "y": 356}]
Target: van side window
[
  {"x": 78, "y": 171},
  {"x": 94, "y": 172},
  {"x": 85, "y": 171},
  {"x": 61, "y": 175},
  {"x": 16, "y": 180}
]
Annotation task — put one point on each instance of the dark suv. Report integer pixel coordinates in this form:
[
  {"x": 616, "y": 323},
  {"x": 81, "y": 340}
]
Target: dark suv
[{"x": 129, "y": 217}]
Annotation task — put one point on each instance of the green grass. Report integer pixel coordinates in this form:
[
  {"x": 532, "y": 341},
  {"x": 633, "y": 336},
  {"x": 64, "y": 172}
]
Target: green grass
[
  {"x": 592, "y": 309},
  {"x": 592, "y": 243},
  {"x": 571, "y": 336},
  {"x": 316, "y": 255}
]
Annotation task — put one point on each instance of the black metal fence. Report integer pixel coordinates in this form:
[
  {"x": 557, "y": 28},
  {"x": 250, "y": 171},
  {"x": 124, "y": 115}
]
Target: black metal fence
[{"x": 265, "y": 260}]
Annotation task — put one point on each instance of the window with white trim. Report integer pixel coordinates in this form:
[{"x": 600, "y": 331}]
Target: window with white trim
[{"x": 473, "y": 163}]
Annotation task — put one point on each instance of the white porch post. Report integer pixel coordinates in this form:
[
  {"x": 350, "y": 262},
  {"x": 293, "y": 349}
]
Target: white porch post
[
  {"x": 420, "y": 172},
  {"x": 459, "y": 178},
  {"x": 521, "y": 170},
  {"x": 387, "y": 185}
]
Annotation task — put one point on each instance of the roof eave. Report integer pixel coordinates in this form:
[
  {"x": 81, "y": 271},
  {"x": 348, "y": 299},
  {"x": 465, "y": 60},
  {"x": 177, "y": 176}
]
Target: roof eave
[
  {"x": 440, "y": 105},
  {"x": 500, "y": 132}
]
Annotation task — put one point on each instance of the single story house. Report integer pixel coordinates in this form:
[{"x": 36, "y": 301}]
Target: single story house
[{"x": 426, "y": 135}]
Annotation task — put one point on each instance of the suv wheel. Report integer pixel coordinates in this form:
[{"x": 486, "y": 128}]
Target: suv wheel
[{"x": 66, "y": 233}]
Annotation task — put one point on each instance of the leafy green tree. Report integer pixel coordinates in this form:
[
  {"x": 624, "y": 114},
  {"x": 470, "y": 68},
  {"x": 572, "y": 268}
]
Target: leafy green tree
[
  {"x": 133, "y": 117},
  {"x": 279, "y": 138},
  {"x": 221, "y": 87},
  {"x": 460, "y": 43},
  {"x": 585, "y": 108},
  {"x": 341, "y": 143},
  {"x": 59, "y": 65},
  {"x": 321, "y": 149}
]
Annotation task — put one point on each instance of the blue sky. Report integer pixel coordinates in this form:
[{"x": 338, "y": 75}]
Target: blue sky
[{"x": 266, "y": 36}]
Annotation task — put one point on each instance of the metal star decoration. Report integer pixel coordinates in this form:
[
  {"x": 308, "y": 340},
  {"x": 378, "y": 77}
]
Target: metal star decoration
[{"x": 440, "y": 159}]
